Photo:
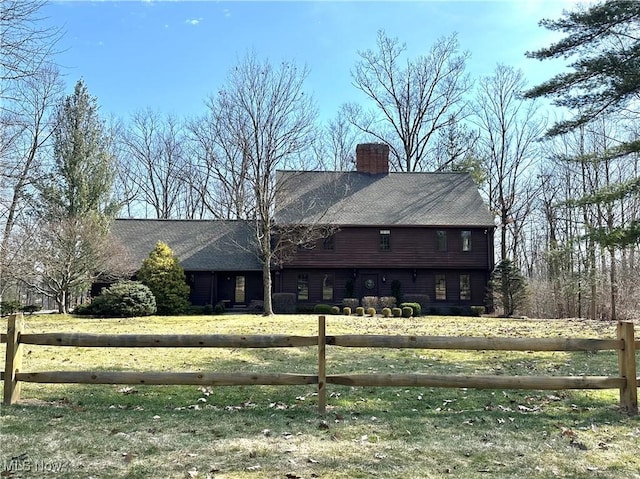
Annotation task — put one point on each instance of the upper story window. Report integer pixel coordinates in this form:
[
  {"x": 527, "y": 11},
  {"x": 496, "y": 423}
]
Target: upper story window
[
  {"x": 328, "y": 243},
  {"x": 385, "y": 240},
  {"x": 466, "y": 240},
  {"x": 441, "y": 236}
]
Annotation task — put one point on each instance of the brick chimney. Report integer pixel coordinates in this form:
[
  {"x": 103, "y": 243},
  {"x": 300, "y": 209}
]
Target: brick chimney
[{"x": 372, "y": 158}]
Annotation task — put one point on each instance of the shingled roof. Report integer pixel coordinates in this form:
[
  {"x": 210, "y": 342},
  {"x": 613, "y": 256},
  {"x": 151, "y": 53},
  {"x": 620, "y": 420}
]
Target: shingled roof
[
  {"x": 393, "y": 199},
  {"x": 200, "y": 245}
]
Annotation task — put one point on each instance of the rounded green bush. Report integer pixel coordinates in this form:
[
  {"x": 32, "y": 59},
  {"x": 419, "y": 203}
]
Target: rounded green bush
[
  {"x": 335, "y": 310},
  {"x": 371, "y": 312},
  {"x": 397, "y": 312},
  {"x": 359, "y": 311},
  {"x": 346, "y": 311},
  {"x": 407, "y": 312},
  {"x": 322, "y": 309},
  {"x": 415, "y": 307},
  {"x": 386, "y": 312},
  {"x": 123, "y": 299}
]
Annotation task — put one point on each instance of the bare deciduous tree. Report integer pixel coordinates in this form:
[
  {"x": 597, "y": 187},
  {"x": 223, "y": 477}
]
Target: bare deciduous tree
[
  {"x": 156, "y": 148},
  {"x": 223, "y": 189},
  {"x": 26, "y": 132},
  {"x": 509, "y": 126},
  {"x": 27, "y": 45},
  {"x": 413, "y": 99},
  {"x": 268, "y": 120}
]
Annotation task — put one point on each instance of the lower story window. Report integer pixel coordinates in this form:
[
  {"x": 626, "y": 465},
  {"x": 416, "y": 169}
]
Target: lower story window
[
  {"x": 303, "y": 287},
  {"x": 465, "y": 287},
  {"x": 327, "y": 287},
  {"x": 441, "y": 287}
]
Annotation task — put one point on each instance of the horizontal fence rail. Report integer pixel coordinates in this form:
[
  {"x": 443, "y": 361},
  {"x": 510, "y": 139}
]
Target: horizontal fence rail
[
  {"x": 475, "y": 343},
  {"x": 168, "y": 340},
  {"x": 168, "y": 378},
  {"x": 625, "y": 345},
  {"x": 478, "y": 382}
]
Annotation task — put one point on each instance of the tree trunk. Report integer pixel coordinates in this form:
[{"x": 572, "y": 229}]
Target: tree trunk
[
  {"x": 266, "y": 273},
  {"x": 614, "y": 285}
]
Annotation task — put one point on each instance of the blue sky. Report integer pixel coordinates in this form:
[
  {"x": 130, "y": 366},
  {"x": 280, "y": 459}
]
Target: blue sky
[{"x": 171, "y": 55}]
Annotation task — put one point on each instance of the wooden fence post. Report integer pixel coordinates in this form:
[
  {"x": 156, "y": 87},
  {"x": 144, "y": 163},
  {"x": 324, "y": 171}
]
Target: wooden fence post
[
  {"x": 13, "y": 361},
  {"x": 627, "y": 364},
  {"x": 322, "y": 366}
]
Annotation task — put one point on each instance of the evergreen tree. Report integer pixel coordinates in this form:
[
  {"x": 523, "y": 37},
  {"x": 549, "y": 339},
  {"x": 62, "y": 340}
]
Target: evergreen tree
[
  {"x": 605, "y": 43},
  {"x": 74, "y": 204},
  {"x": 164, "y": 276},
  {"x": 508, "y": 288},
  {"x": 81, "y": 182}
]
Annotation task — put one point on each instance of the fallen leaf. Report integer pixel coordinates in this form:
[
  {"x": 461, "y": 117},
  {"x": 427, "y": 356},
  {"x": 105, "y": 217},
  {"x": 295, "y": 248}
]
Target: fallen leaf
[
  {"x": 127, "y": 390},
  {"x": 578, "y": 445},
  {"x": 128, "y": 457}
]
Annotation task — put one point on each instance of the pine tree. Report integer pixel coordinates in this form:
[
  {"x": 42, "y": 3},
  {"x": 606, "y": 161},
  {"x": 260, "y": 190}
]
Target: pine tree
[
  {"x": 74, "y": 205},
  {"x": 508, "y": 288},
  {"x": 605, "y": 43},
  {"x": 164, "y": 276}
]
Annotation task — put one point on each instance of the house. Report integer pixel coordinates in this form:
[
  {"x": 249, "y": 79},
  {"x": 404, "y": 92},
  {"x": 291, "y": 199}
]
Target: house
[
  {"x": 218, "y": 257},
  {"x": 430, "y": 233}
]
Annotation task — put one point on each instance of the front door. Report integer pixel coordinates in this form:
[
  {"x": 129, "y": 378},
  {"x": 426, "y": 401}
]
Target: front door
[
  {"x": 240, "y": 290},
  {"x": 369, "y": 284}
]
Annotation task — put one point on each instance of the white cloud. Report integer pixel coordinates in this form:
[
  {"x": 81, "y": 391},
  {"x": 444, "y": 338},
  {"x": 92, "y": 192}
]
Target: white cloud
[{"x": 193, "y": 21}]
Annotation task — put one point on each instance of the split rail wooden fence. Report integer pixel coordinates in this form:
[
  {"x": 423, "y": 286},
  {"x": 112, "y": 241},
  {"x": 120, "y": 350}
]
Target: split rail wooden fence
[{"x": 624, "y": 344}]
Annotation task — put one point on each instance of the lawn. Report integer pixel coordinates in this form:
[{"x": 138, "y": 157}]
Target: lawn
[{"x": 104, "y": 431}]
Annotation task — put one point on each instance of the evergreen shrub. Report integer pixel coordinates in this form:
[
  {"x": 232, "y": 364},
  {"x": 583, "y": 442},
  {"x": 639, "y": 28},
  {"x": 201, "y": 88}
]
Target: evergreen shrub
[
  {"x": 416, "y": 308},
  {"x": 284, "y": 303},
  {"x": 124, "y": 299},
  {"x": 322, "y": 309},
  {"x": 164, "y": 276}
]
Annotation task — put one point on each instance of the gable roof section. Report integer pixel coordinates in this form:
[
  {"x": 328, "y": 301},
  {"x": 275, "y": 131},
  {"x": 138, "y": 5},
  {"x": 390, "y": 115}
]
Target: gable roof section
[
  {"x": 200, "y": 245},
  {"x": 400, "y": 199}
]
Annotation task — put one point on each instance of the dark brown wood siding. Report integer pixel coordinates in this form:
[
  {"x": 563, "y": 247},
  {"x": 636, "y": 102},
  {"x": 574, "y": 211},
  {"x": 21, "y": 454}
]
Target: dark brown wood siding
[
  {"x": 201, "y": 283},
  {"x": 377, "y": 282},
  {"x": 414, "y": 247}
]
